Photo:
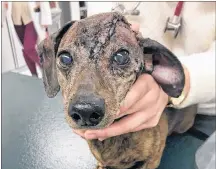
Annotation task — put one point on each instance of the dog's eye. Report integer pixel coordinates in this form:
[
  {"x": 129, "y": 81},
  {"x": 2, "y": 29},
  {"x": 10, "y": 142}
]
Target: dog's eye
[
  {"x": 121, "y": 57},
  {"x": 65, "y": 59}
]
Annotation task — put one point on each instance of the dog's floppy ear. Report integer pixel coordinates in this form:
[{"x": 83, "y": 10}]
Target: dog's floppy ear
[
  {"x": 164, "y": 66},
  {"x": 47, "y": 51}
]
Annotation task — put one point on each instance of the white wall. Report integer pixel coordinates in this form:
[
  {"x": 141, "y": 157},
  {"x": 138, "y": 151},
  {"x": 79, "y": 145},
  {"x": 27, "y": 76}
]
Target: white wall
[
  {"x": 98, "y": 7},
  {"x": 16, "y": 44},
  {"x": 66, "y": 12},
  {"x": 7, "y": 54},
  {"x": 75, "y": 10}
]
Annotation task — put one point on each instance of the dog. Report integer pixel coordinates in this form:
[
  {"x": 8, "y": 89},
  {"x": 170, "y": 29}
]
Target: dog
[{"x": 94, "y": 62}]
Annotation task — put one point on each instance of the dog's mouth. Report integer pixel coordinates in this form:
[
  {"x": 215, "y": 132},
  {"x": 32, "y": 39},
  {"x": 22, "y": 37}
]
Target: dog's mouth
[{"x": 118, "y": 119}]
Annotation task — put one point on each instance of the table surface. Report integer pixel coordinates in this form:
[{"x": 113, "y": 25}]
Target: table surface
[{"x": 35, "y": 134}]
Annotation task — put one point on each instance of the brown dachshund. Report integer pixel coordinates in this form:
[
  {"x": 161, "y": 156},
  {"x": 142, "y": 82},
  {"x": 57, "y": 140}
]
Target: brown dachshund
[{"x": 94, "y": 62}]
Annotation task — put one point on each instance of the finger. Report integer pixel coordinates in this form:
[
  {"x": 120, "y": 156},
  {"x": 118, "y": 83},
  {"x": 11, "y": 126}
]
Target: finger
[
  {"x": 150, "y": 118},
  {"x": 123, "y": 126},
  {"x": 102, "y": 139},
  {"x": 149, "y": 100},
  {"x": 153, "y": 121},
  {"x": 162, "y": 101},
  {"x": 143, "y": 115},
  {"x": 142, "y": 127},
  {"x": 79, "y": 132},
  {"x": 135, "y": 27},
  {"x": 139, "y": 89}
]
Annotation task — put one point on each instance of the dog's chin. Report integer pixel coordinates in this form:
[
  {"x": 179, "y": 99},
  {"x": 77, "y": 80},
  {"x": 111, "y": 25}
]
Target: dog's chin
[{"x": 102, "y": 125}]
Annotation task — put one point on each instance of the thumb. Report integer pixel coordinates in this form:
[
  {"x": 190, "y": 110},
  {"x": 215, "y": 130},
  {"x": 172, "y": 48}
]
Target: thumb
[{"x": 135, "y": 27}]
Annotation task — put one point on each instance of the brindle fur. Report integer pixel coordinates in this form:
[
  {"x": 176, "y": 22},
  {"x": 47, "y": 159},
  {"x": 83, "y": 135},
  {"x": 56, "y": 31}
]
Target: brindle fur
[{"x": 91, "y": 42}]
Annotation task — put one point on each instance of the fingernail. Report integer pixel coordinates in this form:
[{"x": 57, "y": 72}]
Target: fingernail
[
  {"x": 101, "y": 139},
  {"x": 90, "y": 136}
]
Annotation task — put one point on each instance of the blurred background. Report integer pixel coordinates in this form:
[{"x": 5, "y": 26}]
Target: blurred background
[{"x": 62, "y": 12}]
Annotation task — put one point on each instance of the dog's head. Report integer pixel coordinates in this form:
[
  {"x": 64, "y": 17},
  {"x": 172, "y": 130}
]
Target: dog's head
[{"x": 96, "y": 60}]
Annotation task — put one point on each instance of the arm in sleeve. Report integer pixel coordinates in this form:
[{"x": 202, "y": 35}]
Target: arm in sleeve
[
  {"x": 201, "y": 67},
  {"x": 46, "y": 15}
]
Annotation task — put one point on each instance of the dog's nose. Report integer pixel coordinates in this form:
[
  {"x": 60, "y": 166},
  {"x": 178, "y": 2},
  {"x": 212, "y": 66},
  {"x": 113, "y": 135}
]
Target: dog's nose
[{"x": 87, "y": 114}]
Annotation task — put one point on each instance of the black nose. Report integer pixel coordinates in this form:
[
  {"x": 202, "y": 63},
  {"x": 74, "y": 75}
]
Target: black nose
[{"x": 87, "y": 113}]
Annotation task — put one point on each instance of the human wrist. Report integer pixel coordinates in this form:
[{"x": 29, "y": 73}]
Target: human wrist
[
  {"x": 187, "y": 82},
  {"x": 175, "y": 102},
  {"x": 201, "y": 68}
]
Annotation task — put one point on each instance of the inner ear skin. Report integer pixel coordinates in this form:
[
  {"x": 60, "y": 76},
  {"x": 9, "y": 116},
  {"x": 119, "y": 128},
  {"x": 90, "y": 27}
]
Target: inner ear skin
[
  {"x": 167, "y": 69},
  {"x": 169, "y": 73}
]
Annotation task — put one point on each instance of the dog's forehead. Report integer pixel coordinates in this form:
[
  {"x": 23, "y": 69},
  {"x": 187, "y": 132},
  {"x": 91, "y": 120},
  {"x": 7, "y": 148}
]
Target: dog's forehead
[
  {"x": 90, "y": 26},
  {"x": 94, "y": 32}
]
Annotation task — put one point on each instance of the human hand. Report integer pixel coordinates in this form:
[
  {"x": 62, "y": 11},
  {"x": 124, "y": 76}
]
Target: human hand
[
  {"x": 143, "y": 105},
  {"x": 135, "y": 27}
]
